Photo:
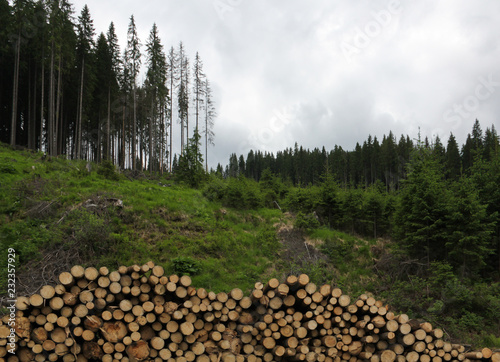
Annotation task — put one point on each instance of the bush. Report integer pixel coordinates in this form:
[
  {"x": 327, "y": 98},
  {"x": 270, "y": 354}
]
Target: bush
[
  {"x": 7, "y": 169},
  {"x": 108, "y": 170},
  {"x": 215, "y": 189},
  {"x": 90, "y": 234},
  {"x": 306, "y": 221},
  {"x": 184, "y": 265},
  {"x": 304, "y": 200}
]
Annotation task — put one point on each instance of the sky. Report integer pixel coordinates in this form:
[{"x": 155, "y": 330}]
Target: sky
[{"x": 325, "y": 72}]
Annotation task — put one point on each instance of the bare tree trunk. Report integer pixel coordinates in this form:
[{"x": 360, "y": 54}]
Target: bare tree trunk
[
  {"x": 42, "y": 100},
  {"x": 80, "y": 115},
  {"x": 50, "y": 128},
  {"x": 171, "y": 117},
  {"x": 108, "y": 127},
  {"x": 123, "y": 138},
  {"x": 151, "y": 133},
  {"x": 134, "y": 131},
  {"x": 32, "y": 127},
  {"x": 15, "y": 92},
  {"x": 162, "y": 144},
  {"x": 58, "y": 105}
]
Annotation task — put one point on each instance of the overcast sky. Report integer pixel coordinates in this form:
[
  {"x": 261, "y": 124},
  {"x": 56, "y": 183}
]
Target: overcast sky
[{"x": 326, "y": 72}]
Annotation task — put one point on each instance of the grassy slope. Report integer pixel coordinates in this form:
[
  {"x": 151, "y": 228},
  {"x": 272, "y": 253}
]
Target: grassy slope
[
  {"x": 45, "y": 207},
  {"x": 56, "y": 214}
]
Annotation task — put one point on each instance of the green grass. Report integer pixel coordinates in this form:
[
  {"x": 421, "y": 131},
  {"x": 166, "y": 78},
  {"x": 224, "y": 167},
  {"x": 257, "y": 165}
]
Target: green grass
[{"x": 42, "y": 205}]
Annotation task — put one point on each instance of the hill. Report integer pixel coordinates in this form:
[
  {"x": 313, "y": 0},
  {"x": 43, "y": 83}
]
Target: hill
[{"x": 57, "y": 213}]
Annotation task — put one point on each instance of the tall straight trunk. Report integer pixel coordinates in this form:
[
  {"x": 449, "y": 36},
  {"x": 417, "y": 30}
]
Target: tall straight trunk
[
  {"x": 151, "y": 133},
  {"x": 50, "y": 128},
  {"x": 15, "y": 92},
  {"x": 58, "y": 106},
  {"x": 206, "y": 147},
  {"x": 80, "y": 114},
  {"x": 134, "y": 130},
  {"x": 60, "y": 132},
  {"x": 162, "y": 144},
  {"x": 42, "y": 100},
  {"x": 97, "y": 148},
  {"x": 108, "y": 127},
  {"x": 123, "y": 139},
  {"x": 32, "y": 126},
  {"x": 29, "y": 108},
  {"x": 171, "y": 122}
]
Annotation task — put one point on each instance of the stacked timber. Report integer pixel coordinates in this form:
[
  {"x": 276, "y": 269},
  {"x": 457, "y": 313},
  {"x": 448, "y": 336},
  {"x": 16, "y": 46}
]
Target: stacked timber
[{"x": 140, "y": 314}]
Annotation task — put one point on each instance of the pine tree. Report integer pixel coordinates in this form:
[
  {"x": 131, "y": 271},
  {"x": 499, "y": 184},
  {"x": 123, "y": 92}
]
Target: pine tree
[
  {"x": 63, "y": 42},
  {"x": 113, "y": 87},
  {"x": 420, "y": 215},
  {"x": 210, "y": 115},
  {"x": 6, "y": 75},
  {"x": 183, "y": 94},
  {"x": 156, "y": 79},
  {"x": 104, "y": 75},
  {"x": 172, "y": 79},
  {"x": 198, "y": 88},
  {"x": 491, "y": 143},
  {"x": 190, "y": 169},
  {"x": 19, "y": 9},
  {"x": 133, "y": 65},
  {"x": 470, "y": 229},
  {"x": 452, "y": 164},
  {"x": 85, "y": 46}
]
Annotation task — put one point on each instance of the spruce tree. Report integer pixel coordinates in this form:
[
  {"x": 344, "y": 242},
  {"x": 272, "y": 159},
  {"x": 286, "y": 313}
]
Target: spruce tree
[
  {"x": 156, "y": 79},
  {"x": 470, "y": 229},
  {"x": 420, "y": 216},
  {"x": 452, "y": 163},
  {"x": 85, "y": 47},
  {"x": 210, "y": 115},
  {"x": 133, "y": 65}
]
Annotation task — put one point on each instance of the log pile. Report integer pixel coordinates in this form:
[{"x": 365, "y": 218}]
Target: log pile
[{"x": 140, "y": 314}]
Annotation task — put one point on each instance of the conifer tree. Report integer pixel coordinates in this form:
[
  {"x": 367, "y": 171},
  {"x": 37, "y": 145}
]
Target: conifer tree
[
  {"x": 172, "y": 79},
  {"x": 183, "y": 94},
  {"x": 113, "y": 87},
  {"x": 452, "y": 163},
  {"x": 85, "y": 46},
  {"x": 420, "y": 215},
  {"x": 133, "y": 64},
  {"x": 156, "y": 78},
  {"x": 470, "y": 229},
  {"x": 210, "y": 115}
]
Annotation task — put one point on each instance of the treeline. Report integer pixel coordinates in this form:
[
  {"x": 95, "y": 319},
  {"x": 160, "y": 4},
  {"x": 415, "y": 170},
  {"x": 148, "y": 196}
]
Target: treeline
[
  {"x": 67, "y": 91},
  {"x": 373, "y": 161},
  {"x": 438, "y": 204}
]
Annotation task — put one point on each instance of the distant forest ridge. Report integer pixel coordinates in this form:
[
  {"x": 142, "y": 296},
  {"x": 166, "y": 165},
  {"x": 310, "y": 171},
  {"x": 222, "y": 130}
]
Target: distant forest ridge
[{"x": 383, "y": 161}]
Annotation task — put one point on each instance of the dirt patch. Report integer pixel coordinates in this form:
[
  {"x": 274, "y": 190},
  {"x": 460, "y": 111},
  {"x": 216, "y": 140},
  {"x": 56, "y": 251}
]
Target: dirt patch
[{"x": 297, "y": 249}]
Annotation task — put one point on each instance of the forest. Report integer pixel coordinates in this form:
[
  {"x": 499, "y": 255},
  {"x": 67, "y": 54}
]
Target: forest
[
  {"x": 441, "y": 203},
  {"x": 67, "y": 91}
]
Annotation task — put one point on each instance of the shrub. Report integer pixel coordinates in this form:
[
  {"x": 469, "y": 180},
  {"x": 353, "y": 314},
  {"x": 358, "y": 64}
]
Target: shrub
[
  {"x": 108, "y": 170},
  {"x": 215, "y": 189},
  {"x": 306, "y": 221},
  {"x": 184, "y": 265}
]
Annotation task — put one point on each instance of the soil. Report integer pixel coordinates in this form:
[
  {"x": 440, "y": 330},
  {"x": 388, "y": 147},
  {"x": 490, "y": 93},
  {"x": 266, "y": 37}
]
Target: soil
[{"x": 297, "y": 249}]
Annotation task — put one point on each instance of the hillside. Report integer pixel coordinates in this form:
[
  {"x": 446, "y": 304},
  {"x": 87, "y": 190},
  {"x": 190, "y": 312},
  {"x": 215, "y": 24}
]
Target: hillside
[{"x": 57, "y": 213}]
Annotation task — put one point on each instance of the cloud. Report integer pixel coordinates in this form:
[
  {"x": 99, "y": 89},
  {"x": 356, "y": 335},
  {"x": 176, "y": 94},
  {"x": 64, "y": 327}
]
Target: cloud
[{"x": 412, "y": 61}]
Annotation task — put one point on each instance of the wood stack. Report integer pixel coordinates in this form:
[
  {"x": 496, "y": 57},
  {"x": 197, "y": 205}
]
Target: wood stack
[{"x": 139, "y": 314}]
